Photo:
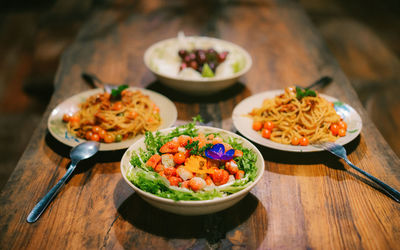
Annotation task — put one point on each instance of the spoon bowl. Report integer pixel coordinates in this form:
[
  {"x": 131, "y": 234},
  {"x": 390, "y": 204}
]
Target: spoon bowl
[{"x": 80, "y": 152}]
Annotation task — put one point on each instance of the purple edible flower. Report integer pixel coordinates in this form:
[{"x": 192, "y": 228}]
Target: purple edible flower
[{"x": 217, "y": 152}]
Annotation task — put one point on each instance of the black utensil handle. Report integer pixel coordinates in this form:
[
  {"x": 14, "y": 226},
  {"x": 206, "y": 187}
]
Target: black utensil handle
[{"x": 322, "y": 81}]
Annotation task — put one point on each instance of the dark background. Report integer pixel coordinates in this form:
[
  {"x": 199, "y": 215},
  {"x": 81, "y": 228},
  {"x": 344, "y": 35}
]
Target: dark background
[{"x": 363, "y": 35}]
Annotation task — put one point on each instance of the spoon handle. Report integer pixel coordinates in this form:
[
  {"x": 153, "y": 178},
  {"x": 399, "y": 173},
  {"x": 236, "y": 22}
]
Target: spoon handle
[
  {"x": 45, "y": 201},
  {"x": 322, "y": 81}
]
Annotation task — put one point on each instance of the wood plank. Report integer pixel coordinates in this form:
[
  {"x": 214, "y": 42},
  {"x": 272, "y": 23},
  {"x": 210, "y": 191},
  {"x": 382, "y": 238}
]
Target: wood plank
[{"x": 303, "y": 201}]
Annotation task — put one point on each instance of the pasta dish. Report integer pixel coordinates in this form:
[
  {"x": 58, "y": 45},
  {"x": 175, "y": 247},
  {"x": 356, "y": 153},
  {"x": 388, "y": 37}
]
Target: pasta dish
[
  {"x": 113, "y": 117},
  {"x": 298, "y": 117}
]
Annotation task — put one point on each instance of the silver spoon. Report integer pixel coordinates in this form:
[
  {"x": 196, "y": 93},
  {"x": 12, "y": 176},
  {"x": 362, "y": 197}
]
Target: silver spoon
[{"x": 82, "y": 151}]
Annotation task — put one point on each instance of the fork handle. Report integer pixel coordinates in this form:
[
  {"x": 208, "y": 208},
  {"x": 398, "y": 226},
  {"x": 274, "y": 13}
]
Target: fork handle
[{"x": 388, "y": 189}]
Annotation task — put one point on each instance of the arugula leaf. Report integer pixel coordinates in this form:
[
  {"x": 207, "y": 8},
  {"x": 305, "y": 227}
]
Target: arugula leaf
[
  {"x": 116, "y": 93},
  {"x": 300, "y": 93}
]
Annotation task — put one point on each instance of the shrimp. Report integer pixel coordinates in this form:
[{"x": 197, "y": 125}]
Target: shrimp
[{"x": 197, "y": 183}]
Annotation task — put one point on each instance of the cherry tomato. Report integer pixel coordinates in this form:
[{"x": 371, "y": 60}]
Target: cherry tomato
[
  {"x": 266, "y": 133},
  {"x": 96, "y": 129},
  {"x": 334, "y": 129},
  {"x": 118, "y": 138},
  {"x": 95, "y": 137},
  {"x": 179, "y": 158},
  {"x": 74, "y": 119},
  {"x": 295, "y": 140},
  {"x": 102, "y": 133},
  {"x": 342, "y": 132},
  {"x": 66, "y": 118},
  {"x": 88, "y": 135},
  {"x": 108, "y": 138},
  {"x": 304, "y": 141},
  {"x": 342, "y": 124},
  {"x": 268, "y": 125},
  {"x": 257, "y": 126}
]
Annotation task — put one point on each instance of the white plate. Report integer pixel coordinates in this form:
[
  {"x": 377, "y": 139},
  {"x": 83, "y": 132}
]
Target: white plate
[
  {"x": 163, "y": 60},
  {"x": 58, "y": 128},
  {"x": 244, "y": 124}
]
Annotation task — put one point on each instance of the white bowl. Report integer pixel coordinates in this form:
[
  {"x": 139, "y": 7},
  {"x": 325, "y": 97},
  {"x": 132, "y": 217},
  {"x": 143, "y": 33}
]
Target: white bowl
[
  {"x": 193, "y": 207},
  {"x": 163, "y": 60}
]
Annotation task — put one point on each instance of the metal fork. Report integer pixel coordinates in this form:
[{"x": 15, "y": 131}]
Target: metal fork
[{"x": 340, "y": 151}]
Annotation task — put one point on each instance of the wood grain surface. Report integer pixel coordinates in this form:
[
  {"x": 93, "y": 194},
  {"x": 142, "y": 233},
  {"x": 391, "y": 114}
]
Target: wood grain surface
[{"x": 305, "y": 200}]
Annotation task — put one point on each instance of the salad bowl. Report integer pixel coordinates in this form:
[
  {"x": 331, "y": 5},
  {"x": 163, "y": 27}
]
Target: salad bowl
[
  {"x": 163, "y": 61},
  {"x": 214, "y": 201}
]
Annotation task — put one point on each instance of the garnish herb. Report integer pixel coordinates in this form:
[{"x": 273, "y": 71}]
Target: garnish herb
[
  {"x": 303, "y": 93},
  {"x": 116, "y": 93}
]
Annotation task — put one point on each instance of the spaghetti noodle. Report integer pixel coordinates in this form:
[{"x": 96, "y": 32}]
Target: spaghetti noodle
[
  {"x": 102, "y": 118},
  {"x": 290, "y": 119}
]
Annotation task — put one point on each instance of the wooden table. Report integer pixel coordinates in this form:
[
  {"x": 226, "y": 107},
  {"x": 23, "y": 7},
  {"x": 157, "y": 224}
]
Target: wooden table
[{"x": 305, "y": 200}]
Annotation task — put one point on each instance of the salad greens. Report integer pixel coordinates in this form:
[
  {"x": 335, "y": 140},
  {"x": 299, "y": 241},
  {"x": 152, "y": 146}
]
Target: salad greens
[{"x": 150, "y": 181}]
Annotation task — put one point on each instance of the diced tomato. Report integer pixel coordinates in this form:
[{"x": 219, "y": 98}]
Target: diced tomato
[
  {"x": 183, "y": 140},
  {"x": 170, "y": 171},
  {"x": 174, "y": 181},
  {"x": 170, "y": 147},
  {"x": 159, "y": 168},
  {"x": 153, "y": 161},
  {"x": 238, "y": 153}
]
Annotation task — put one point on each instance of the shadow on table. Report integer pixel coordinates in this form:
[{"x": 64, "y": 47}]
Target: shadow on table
[
  {"x": 305, "y": 158},
  {"x": 216, "y": 228},
  {"x": 180, "y": 96}
]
